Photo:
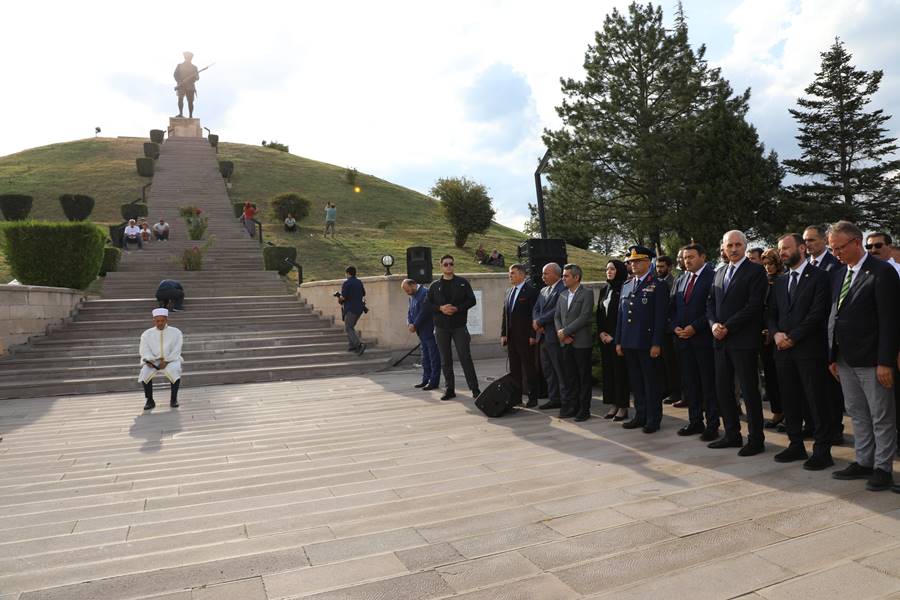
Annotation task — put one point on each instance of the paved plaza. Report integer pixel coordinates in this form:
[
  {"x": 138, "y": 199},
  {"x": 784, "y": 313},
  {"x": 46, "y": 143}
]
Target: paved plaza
[{"x": 363, "y": 488}]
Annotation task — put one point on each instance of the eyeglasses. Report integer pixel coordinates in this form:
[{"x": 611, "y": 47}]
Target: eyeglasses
[
  {"x": 810, "y": 240},
  {"x": 839, "y": 249},
  {"x": 447, "y": 264},
  {"x": 876, "y": 245}
]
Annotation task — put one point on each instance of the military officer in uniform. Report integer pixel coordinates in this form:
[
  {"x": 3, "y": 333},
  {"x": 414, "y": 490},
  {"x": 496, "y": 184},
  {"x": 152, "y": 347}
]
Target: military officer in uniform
[{"x": 643, "y": 309}]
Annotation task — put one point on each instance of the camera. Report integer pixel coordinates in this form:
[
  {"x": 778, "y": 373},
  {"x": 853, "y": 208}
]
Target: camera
[{"x": 336, "y": 295}]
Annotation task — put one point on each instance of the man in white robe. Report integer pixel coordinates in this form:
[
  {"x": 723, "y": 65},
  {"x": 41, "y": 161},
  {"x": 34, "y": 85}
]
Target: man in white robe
[{"x": 160, "y": 353}]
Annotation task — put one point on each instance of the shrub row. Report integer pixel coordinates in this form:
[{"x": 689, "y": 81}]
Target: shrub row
[
  {"x": 17, "y": 207},
  {"x": 54, "y": 254}
]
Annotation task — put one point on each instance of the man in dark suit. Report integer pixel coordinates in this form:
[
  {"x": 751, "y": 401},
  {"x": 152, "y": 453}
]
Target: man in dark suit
[
  {"x": 735, "y": 313},
  {"x": 643, "y": 312},
  {"x": 420, "y": 320},
  {"x": 798, "y": 322},
  {"x": 542, "y": 323},
  {"x": 863, "y": 332},
  {"x": 517, "y": 334},
  {"x": 573, "y": 322},
  {"x": 695, "y": 344},
  {"x": 671, "y": 374}
]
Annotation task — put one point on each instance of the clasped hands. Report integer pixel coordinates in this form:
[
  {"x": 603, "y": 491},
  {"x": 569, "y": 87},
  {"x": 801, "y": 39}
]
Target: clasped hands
[
  {"x": 448, "y": 309},
  {"x": 685, "y": 333},
  {"x": 719, "y": 331}
]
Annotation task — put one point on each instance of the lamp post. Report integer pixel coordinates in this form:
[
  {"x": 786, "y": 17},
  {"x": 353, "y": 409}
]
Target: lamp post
[
  {"x": 539, "y": 191},
  {"x": 387, "y": 261}
]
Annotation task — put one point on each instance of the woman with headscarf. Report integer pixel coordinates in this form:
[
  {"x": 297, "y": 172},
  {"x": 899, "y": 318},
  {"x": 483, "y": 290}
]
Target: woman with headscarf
[{"x": 615, "y": 376}]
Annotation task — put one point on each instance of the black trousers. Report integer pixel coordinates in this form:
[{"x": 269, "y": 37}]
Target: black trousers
[
  {"x": 770, "y": 377},
  {"x": 616, "y": 387},
  {"x": 743, "y": 363},
  {"x": 644, "y": 375},
  {"x": 461, "y": 339},
  {"x": 523, "y": 366},
  {"x": 802, "y": 382},
  {"x": 671, "y": 374},
  {"x": 576, "y": 364},
  {"x": 148, "y": 390},
  {"x": 698, "y": 373}
]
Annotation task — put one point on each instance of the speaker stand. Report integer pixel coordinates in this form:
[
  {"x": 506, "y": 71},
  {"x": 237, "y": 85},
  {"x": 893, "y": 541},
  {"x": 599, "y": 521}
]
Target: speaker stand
[{"x": 408, "y": 354}]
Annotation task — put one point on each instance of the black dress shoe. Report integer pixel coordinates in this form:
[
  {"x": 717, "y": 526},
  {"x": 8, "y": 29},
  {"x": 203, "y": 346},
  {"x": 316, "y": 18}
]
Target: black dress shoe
[
  {"x": 532, "y": 403},
  {"x": 691, "y": 429},
  {"x": 476, "y": 392},
  {"x": 448, "y": 395},
  {"x": 430, "y": 387},
  {"x": 582, "y": 417},
  {"x": 791, "y": 453},
  {"x": 567, "y": 414},
  {"x": 853, "y": 471},
  {"x": 421, "y": 385},
  {"x": 609, "y": 415},
  {"x": 669, "y": 400},
  {"x": 650, "y": 428},
  {"x": 548, "y": 405},
  {"x": 879, "y": 481},
  {"x": 709, "y": 434},
  {"x": 781, "y": 428},
  {"x": 752, "y": 449},
  {"x": 726, "y": 442},
  {"x": 632, "y": 424},
  {"x": 174, "y": 403},
  {"x": 150, "y": 405},
  {"x": 773, "y": 423},
  {"x": 817, "y": 462},
  {"x": 618, "y": 418}
]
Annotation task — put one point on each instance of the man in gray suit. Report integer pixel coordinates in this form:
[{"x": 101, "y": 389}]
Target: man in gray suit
[
  {"x": 574, "y": 317},
  {"x": 544, "y": 317}
]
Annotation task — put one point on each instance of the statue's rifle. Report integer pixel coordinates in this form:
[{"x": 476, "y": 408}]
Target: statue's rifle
[{"x": 192, "y": 76}]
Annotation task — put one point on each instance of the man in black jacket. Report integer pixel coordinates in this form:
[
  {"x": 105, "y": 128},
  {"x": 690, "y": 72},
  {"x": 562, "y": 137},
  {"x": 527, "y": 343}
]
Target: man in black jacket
[
  {"x": 798, "y": 322},
  {"x": 451, "y": 297},
  {"x": 735, "y": 313},
  {"x": 863, "y": 332},
  {"x": 517, "y": 334}
]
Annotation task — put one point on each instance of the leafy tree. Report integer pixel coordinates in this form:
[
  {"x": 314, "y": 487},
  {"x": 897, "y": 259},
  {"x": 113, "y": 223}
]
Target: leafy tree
[
  {"x": 467, "y": 206},
  {"x": 847, "y": 166}
]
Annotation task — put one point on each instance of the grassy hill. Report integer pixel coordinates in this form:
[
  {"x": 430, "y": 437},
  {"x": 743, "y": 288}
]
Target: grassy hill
[{"x": 383, "y": 218}]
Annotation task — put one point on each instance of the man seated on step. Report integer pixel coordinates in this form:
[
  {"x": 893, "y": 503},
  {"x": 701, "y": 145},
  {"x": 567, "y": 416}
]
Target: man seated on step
[
  {"x": 170, "y": 295},
  {"x": 160, "y": 353},
  {"x": 132, "y": 235},
  {"x": 161, "y": 230}
]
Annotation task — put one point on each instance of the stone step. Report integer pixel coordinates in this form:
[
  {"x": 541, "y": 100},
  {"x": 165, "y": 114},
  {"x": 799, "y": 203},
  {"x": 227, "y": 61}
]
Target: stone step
[
  {"x": 59, "y": 341},
  {"x": 200, "y": 302},
  {"x": 287, "y": 307}
]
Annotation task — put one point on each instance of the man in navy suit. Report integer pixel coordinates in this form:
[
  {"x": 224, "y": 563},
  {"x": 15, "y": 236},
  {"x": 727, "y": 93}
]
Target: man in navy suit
[
  {"x": 517, "y": 334},
  {"x": 420, "y": 320},
  {"x": 798, "y": 322},
  {"x": 695, "y": 344},
  {"x": 863, "y": 331},
  {"x": 735, "y": 313},
  {"x": 542, "y": 323},
  {"x": 643, "y": 312}
]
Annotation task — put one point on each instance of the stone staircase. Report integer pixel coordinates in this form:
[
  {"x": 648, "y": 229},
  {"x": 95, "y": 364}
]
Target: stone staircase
[{"x": 241, "y": 324}]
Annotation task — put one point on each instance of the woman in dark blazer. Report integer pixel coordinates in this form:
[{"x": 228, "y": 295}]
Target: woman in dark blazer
[
  {"x": 615, "y": 375},
  {"x": 771, "y": 260}
]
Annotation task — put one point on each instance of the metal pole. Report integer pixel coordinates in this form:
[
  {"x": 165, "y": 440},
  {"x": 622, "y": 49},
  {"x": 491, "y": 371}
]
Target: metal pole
[{"x": 539, "y": 192}]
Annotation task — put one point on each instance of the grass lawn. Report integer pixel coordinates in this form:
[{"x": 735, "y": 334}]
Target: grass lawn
[{"x": 383, "y": 218}]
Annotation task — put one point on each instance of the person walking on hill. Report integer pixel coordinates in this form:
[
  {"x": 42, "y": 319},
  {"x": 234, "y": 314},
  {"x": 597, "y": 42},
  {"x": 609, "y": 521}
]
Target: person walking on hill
[
  {"x": 249, "y": 218},
  {"x": 160, "y": 350},
  {"x": 330, "y": 218},
  {"x": 450, "y": 298}
]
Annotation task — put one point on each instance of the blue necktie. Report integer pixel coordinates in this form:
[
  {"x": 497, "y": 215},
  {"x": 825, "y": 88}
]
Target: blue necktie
[
  {"x": 792, "y": 287},
  {"x": 728, "y": 275}
]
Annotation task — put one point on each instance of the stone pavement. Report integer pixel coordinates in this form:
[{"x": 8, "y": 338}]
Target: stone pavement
[{"x": 363, "y": 488}]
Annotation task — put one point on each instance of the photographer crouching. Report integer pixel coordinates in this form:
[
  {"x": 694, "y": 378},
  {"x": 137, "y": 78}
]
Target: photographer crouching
[{"x": 353, "y": 305}]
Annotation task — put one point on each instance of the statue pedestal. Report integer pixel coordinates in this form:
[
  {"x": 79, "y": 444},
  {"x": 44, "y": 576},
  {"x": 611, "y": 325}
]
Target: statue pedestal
[{"x": 183, "y": 127}]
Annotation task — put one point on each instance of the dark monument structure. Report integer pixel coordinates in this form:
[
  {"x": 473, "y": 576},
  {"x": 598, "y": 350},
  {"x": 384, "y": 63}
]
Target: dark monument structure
[{"x": 186, "y": 75}]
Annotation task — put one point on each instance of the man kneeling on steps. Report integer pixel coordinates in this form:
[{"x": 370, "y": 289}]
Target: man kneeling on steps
[{"x": 160, "y": 353}]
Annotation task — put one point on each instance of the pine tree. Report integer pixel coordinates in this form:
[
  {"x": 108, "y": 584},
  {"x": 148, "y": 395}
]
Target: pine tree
[{"x": 847, "y": 165}]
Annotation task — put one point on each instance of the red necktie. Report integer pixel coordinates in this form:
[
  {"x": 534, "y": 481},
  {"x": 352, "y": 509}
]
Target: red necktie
[{"x": 690, "y": 288}]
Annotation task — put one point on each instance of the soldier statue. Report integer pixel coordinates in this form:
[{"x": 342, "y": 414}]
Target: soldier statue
[{"x": 186, "y": 75}]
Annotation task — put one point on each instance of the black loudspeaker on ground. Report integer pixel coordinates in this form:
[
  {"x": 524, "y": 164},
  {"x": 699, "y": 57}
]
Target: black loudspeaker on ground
[
  {"x": 499, "y": 397},
  {"x": 418, "y": 264}
]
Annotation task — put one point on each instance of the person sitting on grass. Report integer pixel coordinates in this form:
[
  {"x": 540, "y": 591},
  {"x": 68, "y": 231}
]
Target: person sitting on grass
[
  {"x": 481, "y": 254},
  {"x": 290, "y": 224},
  {"x": 132, "y": 235},
  {"x": 496, "y": 259}
]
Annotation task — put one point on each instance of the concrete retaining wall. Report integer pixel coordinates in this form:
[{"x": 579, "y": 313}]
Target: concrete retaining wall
[{"x": 26, "y": 311}]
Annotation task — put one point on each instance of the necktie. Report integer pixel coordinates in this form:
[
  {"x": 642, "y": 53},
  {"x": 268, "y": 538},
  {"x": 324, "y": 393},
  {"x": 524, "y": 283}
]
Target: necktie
[
  {"x": 792, "y": 286},
  {"x": 845, "y": 287},
  {"x": 690, "y": 288},
  {"x": 512, "y": 300},
  {"x": 728, "y": 275}
]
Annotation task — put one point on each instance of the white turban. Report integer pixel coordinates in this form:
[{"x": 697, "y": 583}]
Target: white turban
[{"x": 160, "y": 312}]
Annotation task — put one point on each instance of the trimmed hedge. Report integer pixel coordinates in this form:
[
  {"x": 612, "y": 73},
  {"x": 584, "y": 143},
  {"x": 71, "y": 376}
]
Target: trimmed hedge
[
  {"x": 77, "y": 207},
  {"x": 111, "y": 258},
  {"x": 134, "y": 211},
  {"x": 213, "y": 140},
  {"x": 238, "y": 208},
  {"x": 151, "y": 150},
  {"x": 157, "y": 135},
  {"x": 290, "y": 203},
  {"x": 116, "y": 233},
  {"x": 226, "y": 168},
  {"x": 54, "y": 254},
  {"x": 273, "y": 257},
  {"x": 15, "y": 207},
  {"x": 144, "y": 166}
]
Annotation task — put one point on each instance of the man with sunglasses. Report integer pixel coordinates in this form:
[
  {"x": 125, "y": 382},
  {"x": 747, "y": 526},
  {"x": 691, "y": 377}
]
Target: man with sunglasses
[
  {"x": 878, "y": 244},
  {"x": 451, "y": 297}
]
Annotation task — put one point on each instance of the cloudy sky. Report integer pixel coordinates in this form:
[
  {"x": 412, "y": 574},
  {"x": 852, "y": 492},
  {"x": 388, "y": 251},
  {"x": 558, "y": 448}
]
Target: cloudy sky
[{"x": 407, "y": 91}]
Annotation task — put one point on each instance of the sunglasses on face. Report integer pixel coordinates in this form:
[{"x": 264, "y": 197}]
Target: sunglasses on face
[
  {"x": 447, "y": 264},
  {"x": 876, "y": 246}
]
